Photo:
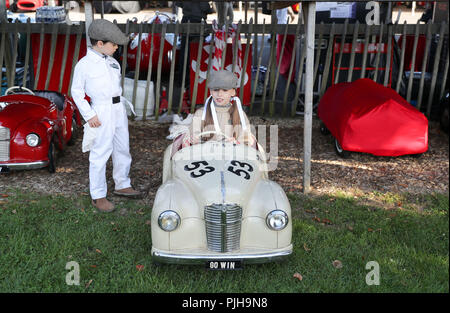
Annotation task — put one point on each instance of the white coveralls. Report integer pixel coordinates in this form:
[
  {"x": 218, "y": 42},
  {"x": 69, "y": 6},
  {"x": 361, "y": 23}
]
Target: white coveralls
[{"x": 99, "y": 77}]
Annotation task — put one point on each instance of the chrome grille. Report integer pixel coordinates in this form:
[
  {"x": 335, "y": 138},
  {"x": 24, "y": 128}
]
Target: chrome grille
[
  {"x": 223, "y": 227},
  {"x": 4, "y": 143}
]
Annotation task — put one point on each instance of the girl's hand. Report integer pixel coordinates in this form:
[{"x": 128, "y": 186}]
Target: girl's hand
[
  {"x": 233, "y": 140},
  {"x": 195, "y": 139}
]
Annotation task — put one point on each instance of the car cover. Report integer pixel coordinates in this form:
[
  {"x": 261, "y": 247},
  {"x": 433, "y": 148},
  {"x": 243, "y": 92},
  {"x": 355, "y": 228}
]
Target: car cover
[{"x": 367, "y": 117}]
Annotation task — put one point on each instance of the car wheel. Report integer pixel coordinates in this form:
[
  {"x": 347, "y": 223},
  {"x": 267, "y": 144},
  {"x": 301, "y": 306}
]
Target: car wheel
[
  {"x": 52, "y": 157},
  {"x": 340, "y": 152},
  {"x": 323, "y": 129},
  {"x": 75, "y": 131}
]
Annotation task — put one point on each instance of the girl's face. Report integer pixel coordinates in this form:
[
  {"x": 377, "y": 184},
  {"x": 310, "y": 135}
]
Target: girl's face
[
  {"x": 107, "y": 48},
  {"x": 222, "y": 97}
]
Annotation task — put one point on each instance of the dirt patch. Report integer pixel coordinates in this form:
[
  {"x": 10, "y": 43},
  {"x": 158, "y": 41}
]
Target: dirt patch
[{"x": 361, "y": 173}]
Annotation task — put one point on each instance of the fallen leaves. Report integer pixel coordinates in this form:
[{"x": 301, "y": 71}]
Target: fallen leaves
[
  {"x": 306, "y": 248},
  {"x": 364, "y": 171},
  {"x": 140, "y": 268},
  {"x": 337, "y": 264},
  {"x": 298, "y": 276},
  {"x": 323, "y": 221},
  {"x": 89, "y": 283}
]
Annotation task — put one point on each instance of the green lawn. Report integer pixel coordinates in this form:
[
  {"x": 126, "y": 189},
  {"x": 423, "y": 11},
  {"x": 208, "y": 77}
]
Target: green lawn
[{"x": 407, "y": 235}]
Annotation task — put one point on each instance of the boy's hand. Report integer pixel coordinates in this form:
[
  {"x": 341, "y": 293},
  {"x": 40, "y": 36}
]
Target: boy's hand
[{"x": 94, "y": 122}]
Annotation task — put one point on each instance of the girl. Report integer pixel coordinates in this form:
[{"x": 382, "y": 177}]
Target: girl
[{"x": 222, "y": 113}]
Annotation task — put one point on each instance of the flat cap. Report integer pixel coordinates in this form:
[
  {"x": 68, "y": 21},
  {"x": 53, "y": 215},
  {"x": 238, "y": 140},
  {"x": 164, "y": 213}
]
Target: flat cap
[
  {"x": 222, "y": 80},
  {"x": 105, "y": 30}
]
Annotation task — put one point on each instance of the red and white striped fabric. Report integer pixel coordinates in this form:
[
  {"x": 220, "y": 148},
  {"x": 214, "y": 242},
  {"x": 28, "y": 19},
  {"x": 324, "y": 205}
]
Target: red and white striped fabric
[{"x": 220, "y": 40}]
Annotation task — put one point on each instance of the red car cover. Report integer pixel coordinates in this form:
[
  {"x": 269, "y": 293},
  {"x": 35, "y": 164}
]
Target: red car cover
[{"x": 367, "y": 117}]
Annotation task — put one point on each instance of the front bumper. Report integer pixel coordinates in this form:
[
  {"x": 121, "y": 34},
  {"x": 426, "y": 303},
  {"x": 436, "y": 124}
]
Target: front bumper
[
  {"x": 246, "y": 256},
  {"x": 24, "y": 166}
]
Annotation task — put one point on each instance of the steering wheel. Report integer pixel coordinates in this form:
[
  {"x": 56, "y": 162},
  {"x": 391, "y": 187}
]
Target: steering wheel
[
  {"x": 10, "y": 90},
  {"x": 211, "y": 132}
]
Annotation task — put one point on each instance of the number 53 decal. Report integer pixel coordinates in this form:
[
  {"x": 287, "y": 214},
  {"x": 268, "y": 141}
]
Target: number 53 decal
[
  {"x": 241, "y": 169},
  {"x": 201, "y": 171}
]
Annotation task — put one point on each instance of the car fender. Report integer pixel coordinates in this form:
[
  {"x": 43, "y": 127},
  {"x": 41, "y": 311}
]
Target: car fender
[
  {"x": 19, "y": 148},
  {"x": 266, "y": 197},
  {"x": 174, "y": 195}
]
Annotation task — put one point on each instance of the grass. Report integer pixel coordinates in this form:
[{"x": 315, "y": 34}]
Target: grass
[{"x": 408, "y": 235}]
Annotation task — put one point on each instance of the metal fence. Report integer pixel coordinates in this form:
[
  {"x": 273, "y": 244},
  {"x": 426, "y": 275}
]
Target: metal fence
[{"x": 412, "y": 59}]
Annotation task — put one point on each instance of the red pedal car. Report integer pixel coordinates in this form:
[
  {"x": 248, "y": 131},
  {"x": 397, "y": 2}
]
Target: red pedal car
[
  {"x": 364, "y": 116},
  {"x": 34, "y": 125}
]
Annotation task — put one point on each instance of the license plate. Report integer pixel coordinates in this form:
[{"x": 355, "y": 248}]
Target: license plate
[{"x": 224, "y": 265}]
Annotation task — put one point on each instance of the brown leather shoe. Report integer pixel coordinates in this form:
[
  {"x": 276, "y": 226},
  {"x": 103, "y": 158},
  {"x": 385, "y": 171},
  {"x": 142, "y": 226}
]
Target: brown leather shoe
[
  {"x": 103, "y": 205},
  {"x": 128, "y": 192}
]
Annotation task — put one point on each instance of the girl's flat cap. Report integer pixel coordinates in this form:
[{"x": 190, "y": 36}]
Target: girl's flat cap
[{"x": 222, "y": 79}]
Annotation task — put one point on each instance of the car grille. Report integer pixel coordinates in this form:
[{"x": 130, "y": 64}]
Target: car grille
[
  {"x": 223, "y": 227},
  {"x": 4, "y": 143}
]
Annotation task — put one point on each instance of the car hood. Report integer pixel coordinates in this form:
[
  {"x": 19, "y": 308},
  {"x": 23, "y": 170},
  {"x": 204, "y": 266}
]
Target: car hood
[
  {"x": 15, "y": 109},
  {"x": 219, "y": 173}
]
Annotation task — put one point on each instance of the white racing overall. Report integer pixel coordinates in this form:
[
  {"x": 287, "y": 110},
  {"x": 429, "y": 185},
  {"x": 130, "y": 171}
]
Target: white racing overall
[{"x": 98, "y": 77}]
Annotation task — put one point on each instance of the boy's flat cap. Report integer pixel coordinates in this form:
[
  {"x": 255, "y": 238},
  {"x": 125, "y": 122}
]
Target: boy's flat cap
[
  {"x": 222, "y": 80},
  {"x": 105, "y": 30}
]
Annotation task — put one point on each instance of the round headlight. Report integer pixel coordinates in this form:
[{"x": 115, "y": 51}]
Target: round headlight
[
  {"x": 277, "y": 220},
  {"x": 33, "y": 140},
  {"x": 168, "y": 220}
]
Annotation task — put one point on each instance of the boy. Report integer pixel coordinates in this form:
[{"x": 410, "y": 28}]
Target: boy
[{"x": 98, "y": 75}]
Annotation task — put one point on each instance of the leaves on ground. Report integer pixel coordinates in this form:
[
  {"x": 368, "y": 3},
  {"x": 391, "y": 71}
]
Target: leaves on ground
[
  {"x": 298, "y": 276},
  {"x": 364, "y": 172},
  {"x": 337, "y": 264}
]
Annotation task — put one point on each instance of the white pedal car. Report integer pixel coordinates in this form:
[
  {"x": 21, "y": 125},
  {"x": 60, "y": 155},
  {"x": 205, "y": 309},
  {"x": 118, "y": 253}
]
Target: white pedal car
[{"x": 217, "y": 207}]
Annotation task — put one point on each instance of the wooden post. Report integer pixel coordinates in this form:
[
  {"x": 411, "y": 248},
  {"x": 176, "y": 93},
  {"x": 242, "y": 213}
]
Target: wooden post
[
  {"x": 307, "y": 128},
  {"x": 183, "y": 74},
  {"x": 149, "y": 75},
  {"x": 3, "y": 15},
  {"x": 41, "y": 49},
  {"x": 402, "y": 59},
  {"x": 424, "y": 66},
  {"x": 75, "y": 55},
  {"x": 291, "y": 69},
  {"x": 7, "y": 46},
  {"x": 138, "y": 63},
  {"x": 158, "y": 73},
  {"x": 54, "y": 39},
  {"x": 413, "y": 63},
  {"x": 64, "y": 60},
  {"x": 255, "y": 85},
  {"x": 172, "y": 70},
  {"x": 435, "y": 68},
  {"x": 89, "y": 17},
  {"x": 27, "y": 54},
  {"x": 352, "y": 56}
]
